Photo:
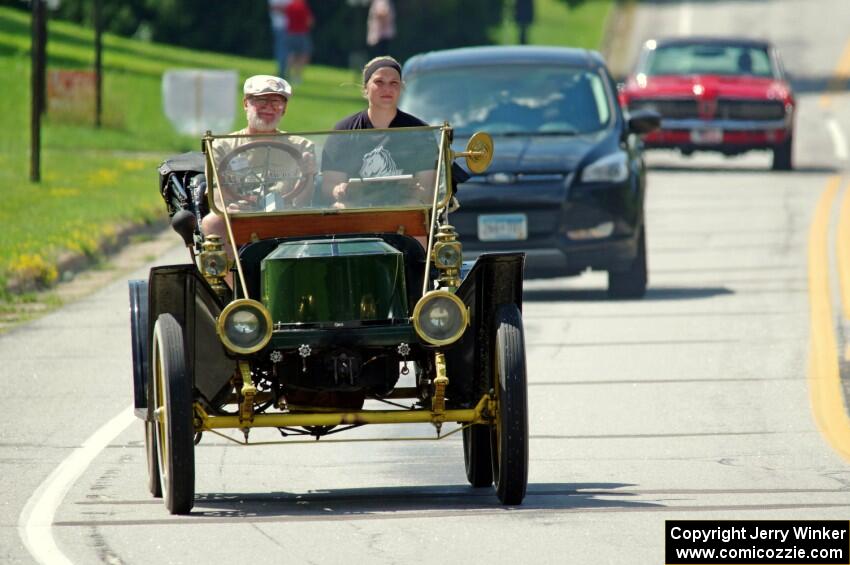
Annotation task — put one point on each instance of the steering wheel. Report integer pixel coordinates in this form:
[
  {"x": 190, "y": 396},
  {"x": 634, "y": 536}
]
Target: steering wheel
[{"x": 269, "y": 160}]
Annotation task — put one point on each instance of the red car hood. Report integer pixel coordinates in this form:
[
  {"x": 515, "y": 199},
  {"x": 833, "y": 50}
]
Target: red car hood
[{"x": 708, "y": 86}]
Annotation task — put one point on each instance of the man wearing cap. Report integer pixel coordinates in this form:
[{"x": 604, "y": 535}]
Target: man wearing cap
[{"x": 264, "y": 99}]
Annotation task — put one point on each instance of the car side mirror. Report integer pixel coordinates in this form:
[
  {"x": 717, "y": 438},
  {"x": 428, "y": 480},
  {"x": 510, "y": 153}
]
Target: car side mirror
[{"x": 644, "y": 121}]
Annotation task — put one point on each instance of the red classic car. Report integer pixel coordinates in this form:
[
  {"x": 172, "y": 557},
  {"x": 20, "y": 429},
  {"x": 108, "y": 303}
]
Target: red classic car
[{"x": 714, "y": 94}]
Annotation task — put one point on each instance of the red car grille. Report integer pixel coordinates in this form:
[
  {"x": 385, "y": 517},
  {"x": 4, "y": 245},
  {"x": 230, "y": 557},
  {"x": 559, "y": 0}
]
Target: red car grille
[
  {"x": 672, "y": 109},
  {"x": 721, "y": 109},
  {"x": 750, "y": 110}
]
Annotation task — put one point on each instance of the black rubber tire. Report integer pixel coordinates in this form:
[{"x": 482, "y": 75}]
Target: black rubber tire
[
  {"x": 783, "y": 155},
  {"x": 509, "y": 437},
  {"x": 632, "y": 282},
  {"x": 476, "y": 455},
  {"x": 152, "y": 457},
  {"x": 173, "y": 416}
]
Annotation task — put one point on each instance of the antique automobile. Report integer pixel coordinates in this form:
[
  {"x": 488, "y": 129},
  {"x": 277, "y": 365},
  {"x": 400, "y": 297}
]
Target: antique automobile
[
  {"x": 568, "y": 184},
  {"x": 333, "y": 313},
  {"x": 726, "y": 95}
]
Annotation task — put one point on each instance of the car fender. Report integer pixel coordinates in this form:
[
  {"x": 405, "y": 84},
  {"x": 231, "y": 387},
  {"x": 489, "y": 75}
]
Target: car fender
[
  {"x": 493, "y": 280},
  {"x": 140, "y": 342}
]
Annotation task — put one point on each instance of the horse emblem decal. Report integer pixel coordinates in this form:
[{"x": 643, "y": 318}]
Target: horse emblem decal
[{"x": 379, "y": 163}]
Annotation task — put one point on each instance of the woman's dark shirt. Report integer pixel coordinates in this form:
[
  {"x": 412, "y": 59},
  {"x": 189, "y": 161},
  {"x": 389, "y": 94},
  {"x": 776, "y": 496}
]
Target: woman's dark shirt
[{"x": 376, "y": 155}]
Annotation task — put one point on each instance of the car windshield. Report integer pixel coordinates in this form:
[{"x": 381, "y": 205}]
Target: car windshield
[
  {"x": 511, "y": 99},
  {"x": 320, "y": 172},
  {"x": 709, "y": 59}
]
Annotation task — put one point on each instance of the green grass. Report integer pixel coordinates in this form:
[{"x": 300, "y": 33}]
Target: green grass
[
  {"x": 572, "y": 23},
  {"x": 95, "y": 180}
]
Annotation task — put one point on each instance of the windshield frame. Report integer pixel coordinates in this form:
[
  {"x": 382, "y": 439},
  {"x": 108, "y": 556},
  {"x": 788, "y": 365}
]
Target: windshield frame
[
  {"x": 210, "y": 166},
  {"x": 431, "y": 211}
]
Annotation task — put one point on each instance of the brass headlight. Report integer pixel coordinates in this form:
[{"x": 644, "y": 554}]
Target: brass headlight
[
  {"x": 244, "y": 326},
  {"x": 440, "y": 317}
]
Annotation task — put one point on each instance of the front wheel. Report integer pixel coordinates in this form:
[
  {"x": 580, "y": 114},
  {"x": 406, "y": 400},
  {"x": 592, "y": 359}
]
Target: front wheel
[
  {"x": 631, "y": 283},
  {"x": 173, "y": 416},
  {"x": 782, "y": 155},
  {"x": 509, "y": 435}
]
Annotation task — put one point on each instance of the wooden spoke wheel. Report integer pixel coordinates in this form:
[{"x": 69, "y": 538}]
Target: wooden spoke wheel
[
  {"x": 173, "y": 416},
  {"x": 509, "y": 435}
]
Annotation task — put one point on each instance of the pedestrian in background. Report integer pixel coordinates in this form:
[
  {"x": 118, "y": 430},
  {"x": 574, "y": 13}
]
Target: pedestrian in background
[
  {"x": 277, "y": 15},
  {"x": 524, "y": 16},
  {"x": 380, "y": 27},
  {"x": 299, "y": 19}
]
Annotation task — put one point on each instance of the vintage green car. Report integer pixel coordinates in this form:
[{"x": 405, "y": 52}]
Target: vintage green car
[{"x": 346, "y": 276}]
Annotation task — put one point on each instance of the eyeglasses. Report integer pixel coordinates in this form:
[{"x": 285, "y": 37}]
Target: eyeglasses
[{"x": 267, "y": 101}]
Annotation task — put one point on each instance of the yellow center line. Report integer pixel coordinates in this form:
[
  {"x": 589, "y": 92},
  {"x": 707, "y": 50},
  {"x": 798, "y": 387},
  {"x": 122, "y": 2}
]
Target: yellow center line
[
  {"x": 841, "y": 75},
  {"x": 825, "y": 389},
  {"x": 842, "y": 250}
]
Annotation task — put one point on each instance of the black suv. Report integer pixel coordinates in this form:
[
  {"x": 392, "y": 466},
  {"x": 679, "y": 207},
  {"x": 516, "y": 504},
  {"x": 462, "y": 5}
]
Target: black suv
[{"x": 568, "y": 179}]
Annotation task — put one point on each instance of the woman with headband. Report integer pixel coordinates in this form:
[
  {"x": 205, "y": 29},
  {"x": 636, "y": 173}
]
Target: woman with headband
[{"x": 381, "y": 87}]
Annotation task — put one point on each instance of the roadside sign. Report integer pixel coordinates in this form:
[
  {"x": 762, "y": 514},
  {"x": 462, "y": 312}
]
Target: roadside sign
[
  {"x": 197, "y": 100},
  {"x": 70, "y": 94}
]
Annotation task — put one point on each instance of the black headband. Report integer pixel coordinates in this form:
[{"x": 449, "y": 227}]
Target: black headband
[{"x": 380, "y": 64}]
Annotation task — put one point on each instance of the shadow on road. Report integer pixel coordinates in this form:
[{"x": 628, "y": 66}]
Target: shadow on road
[
  {"x": 409, "y": 502},
  {"x": 652, "y": 293}
]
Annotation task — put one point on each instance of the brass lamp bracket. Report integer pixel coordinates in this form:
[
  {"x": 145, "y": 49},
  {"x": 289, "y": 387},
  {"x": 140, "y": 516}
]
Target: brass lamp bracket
[
  {"x": 438, "y": 401},
  {"x": 248, "y": 392}
]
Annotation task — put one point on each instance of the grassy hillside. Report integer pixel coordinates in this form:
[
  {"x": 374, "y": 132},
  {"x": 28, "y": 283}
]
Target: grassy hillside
[
  {"x": 95, "y": 180},
  {"x": 562, "y": 22}
]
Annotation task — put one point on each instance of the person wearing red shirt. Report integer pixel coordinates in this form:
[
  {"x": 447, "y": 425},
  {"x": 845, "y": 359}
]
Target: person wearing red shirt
[{"x": 299, "y": 23}]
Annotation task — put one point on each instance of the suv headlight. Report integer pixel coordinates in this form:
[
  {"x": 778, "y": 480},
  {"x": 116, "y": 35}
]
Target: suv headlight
[
  {"x": 440, "y": 317},
  {"x": 244, "y": 326},
  {"x": 611, "y": 168}
]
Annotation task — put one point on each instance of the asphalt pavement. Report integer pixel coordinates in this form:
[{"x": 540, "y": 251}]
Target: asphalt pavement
[{"x": 693, "y": 403}]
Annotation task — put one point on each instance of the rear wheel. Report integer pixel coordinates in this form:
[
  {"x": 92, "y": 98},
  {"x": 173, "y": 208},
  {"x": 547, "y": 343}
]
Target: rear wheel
[
  {"x": 476, "y": 455},
  {"x": 173, "y": 416},
  {"x": 782, "y": 155},
  {"x": 631, "y": 283},
  {"x": 509, "y": 435}
]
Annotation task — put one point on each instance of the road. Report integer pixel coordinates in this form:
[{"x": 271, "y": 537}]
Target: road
[{"x": 697, "y": 402}]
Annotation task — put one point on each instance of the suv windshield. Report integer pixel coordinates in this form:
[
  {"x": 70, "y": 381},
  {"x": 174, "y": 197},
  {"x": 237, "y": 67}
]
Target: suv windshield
[
  {"x": 709, "y": 59},
  {"x": 510, "y": 99},
  {"x": 344, "y": 170}
]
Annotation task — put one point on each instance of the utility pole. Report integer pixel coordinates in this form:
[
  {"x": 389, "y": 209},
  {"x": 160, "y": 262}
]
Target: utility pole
[
  {"x": 98, "y": 65},
  {"x": 38, "y": 52}
]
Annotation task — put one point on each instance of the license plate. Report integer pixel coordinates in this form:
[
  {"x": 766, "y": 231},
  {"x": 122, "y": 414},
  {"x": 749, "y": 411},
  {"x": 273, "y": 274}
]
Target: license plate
[
  {"x": 502, "y": 227},
  {"x": 707, "y": 135}
]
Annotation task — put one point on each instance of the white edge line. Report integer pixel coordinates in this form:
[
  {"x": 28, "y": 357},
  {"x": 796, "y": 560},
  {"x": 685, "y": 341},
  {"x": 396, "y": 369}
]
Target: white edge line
[
  {"x": 838, "y": 139},
  {"x": 684, "y": 19},
  {"x": 36, "y": 520}
]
